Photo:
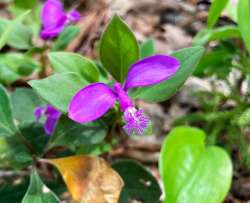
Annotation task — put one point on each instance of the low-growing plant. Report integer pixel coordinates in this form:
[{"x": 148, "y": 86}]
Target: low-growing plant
[{"x": 71, "y": 118}]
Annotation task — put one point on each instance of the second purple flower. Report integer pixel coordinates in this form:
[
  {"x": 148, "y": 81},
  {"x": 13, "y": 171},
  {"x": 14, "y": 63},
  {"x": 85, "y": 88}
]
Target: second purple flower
[{"x": 94, "y": 100}]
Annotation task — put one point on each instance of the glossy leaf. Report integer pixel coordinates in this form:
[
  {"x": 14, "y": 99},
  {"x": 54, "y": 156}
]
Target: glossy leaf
[
  {"x": 58, "y": 89},
  {"x": 38, "y": 192},
  {"x": 24, "y": 102},
  {"x": 189, "y": 58},
  {"x": 68, "y": 34},
  {"x": 71, "y": 62},
  {"x": 243, "y": 21},
  {"x": 118, "y": 48},
  {"x": 185, "y": 166},
  {"x": 139, "y": 184},
  {"x": 71, "y": 134},
  {"x": 89, "y": 179},
  {"x": 215, "y": 11},
  {"x": 7, "y": 126},
  {"x": 147, "y": 48},
  {"x": 10, "y": 28}
]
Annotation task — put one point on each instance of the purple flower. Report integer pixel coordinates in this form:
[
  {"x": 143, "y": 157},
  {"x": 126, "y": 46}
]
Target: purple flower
[
  {"x": 52, "y": 116},
  {"x": 94, "y": 100},
  {"x": 54, "y": 19}
]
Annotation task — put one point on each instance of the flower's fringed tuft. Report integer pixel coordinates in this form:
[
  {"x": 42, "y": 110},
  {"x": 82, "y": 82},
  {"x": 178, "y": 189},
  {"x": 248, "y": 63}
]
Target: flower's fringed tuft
[{"x": 136, "y": 121}]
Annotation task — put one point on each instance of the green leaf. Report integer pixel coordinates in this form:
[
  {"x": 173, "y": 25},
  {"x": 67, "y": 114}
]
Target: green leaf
[
  {"x": 36, "y": 136},
  {"x": 38, "y": 192},
  {"x": 20, "y": 37},
  {"x": 118, "y": 48},
  {"x": 147, "y": 48},
  {"x": 220, "y": 56},
  {"x": 71, "y": 134},
  {"x": 71, "y": 62},
  {"x": 7, "y": 126},
  {"x": 13, "y": 153},
  {"x": 221, "y": 33},
  {"x": 215, "y": 11},
  {"x": 189, "y": 58},
  {"x": 139, "y": 185},
  {"x": 13, "y": 192},
  {"x": 4, "y": 36},
  {"x": 14, "y": 66},
  {"x": 185, "y": 166},
  {"x": 24, "y": 102},
  {"x": 244, "y": 118},
  {"x": 68, "y": 34},
  {"x": 27, "y": 4},
  {"x": 243, "y": 21},
  {"x": 58, "y": 89}
]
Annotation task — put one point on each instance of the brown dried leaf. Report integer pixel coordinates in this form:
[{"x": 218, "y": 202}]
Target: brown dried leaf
[{"x": 89, "y": 179}]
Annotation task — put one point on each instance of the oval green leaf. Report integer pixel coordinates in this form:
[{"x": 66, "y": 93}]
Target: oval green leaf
[
  {"x": 71, "y": 62},
  {"x": 192, "y": 173},
  {"x": 58, "y": 89},
  {"x": 118, "y": 48}
]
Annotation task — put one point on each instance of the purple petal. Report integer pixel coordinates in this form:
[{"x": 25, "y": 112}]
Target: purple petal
[
  {"x": 53, "y": 18},
  {"x": 74, "y": 16},
  {"x": 39, "y": 110},
  {"x": 151, "y": 70},
  {"x": 51, "y": 33},
  {"x": 91, "y": 102},
  {"x": 52, "y": 14},
  {"x": 52, "y": 112},
  {"x": 50, "y": 125}
]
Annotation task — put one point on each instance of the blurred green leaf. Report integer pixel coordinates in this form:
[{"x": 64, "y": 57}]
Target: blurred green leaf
[
  {"x": 140, "y": 184},
  {"x": 185, "y": 166},
  {"x": 244, "y": 118},
  {"x": 13, "y": 192},
  {"x": 71, "y": 134},
  {"x": 20, "y": 37},
  {"x": 217, "y": 61},
  {"x": 58, "y": 89},
  {"x": 27, "y": 4},
  {"x": 118, "y": 48},
  {"x": 7, "y": 126},
  {"x": 189, "y": 58},
  {"x": 9, "y": 29},
  {"x": 14, "y": 66},
  {"x": 221, "y": 33},
  {"x": 215, "y": 11},
  {"x": 243, "y": 21},
  {"x": 24, "y": 102},
  {"x": 13, "y": 153},
  {"x": 38, "y": 192},
  {"x": 71, "y": 62},
  {"x": 147, "y": 48},
  {"x": 68, "y": 34}
]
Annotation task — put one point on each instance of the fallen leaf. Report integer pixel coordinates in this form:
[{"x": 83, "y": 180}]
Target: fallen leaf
[{"x": 89, "y": 179}]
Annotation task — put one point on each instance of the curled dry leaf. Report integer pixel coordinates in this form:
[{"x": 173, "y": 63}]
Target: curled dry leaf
[{"x": 89, "y": 179}]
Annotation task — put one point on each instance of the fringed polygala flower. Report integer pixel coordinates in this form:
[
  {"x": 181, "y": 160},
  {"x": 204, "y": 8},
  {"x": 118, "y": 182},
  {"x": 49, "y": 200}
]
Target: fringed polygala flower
[
  {"x": 52, "y": 116},
  {"x": 94, "y": 100},
  {"x": 54, "y": 19}
]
